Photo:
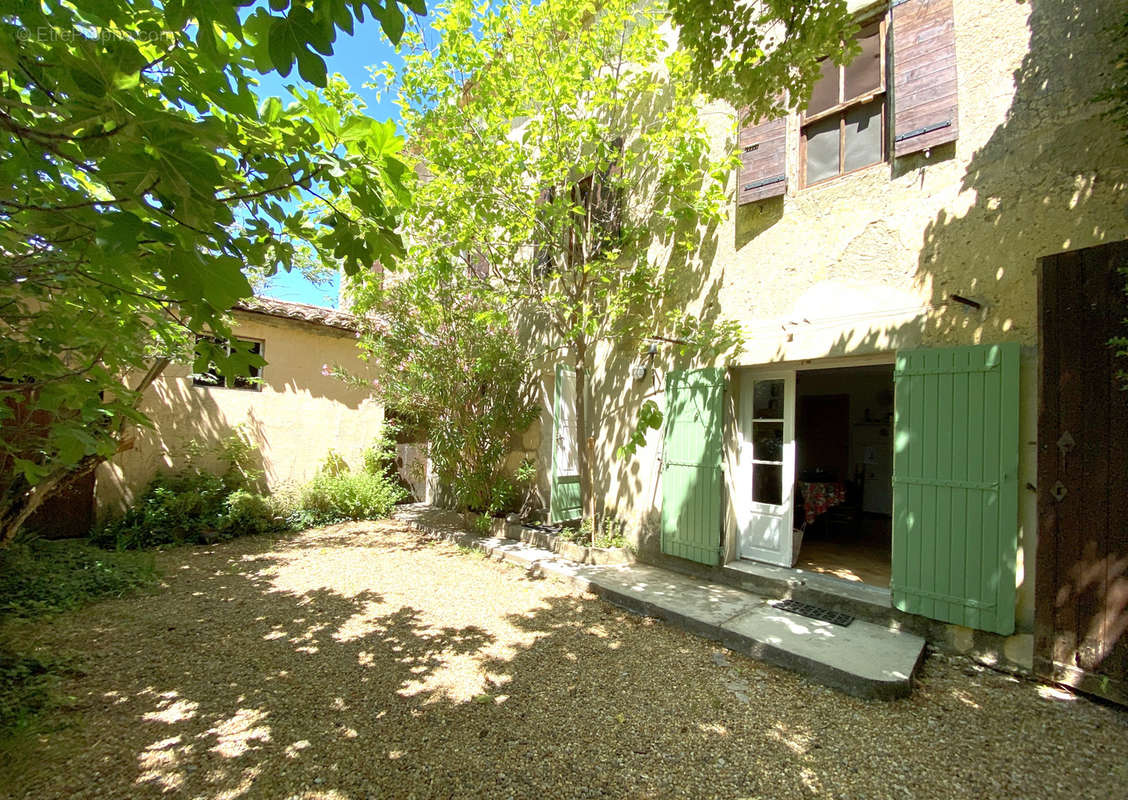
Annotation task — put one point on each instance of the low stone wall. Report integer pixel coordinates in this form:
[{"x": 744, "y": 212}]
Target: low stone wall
[{"x": 561, "y": 546}]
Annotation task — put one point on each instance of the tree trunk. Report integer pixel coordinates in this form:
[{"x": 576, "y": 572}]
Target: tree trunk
[{"x": 585, "y": 455}]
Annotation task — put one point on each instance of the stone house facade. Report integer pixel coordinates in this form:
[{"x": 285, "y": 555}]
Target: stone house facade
[{"x": 876, "y": 442}]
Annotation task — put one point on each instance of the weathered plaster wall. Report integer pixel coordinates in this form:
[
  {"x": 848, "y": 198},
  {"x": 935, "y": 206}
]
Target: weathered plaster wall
[
  {"x": 865, "y": 264},
  {"x": 297, "y": 417}
]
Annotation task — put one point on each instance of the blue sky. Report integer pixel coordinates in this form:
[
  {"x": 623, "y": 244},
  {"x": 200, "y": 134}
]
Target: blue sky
[{"x": 351, "y": 56}]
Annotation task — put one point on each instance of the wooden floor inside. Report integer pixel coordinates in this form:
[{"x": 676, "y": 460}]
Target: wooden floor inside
[{"x": 863, "y": 555}]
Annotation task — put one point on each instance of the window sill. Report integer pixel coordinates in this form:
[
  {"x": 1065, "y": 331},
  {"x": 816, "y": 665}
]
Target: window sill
[{"x": 834, "y": 179}]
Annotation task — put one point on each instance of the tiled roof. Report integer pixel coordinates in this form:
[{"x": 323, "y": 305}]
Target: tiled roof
[{"x": 302, "y": 312}]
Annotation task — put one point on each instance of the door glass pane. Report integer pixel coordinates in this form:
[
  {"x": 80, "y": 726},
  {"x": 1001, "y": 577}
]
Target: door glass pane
[
  {"x": 863, "y": 74},
  {"x": 767, "y": 400},
  {"x": 863, "y": 135},
  {"x": 825, "y": 94},
  {"x": 822, "y": 149},
  {"x": 767, "y": 441},
  {"x": 767, "y": 484}
]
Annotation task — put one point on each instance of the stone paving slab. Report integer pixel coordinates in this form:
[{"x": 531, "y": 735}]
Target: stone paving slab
[{"x": 861, "y": 659}]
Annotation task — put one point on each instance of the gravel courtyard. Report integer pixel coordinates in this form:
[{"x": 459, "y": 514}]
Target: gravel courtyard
[{"x": 364, "y": 661}]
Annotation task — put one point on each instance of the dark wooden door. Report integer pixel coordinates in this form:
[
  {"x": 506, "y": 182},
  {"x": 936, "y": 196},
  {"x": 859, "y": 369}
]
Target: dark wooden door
[
  {"x": 1081, "y": 581},
  {"x": 68, "y": 513}
]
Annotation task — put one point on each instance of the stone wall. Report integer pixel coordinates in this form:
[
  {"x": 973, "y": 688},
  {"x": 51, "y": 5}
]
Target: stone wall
[
  {"x": 297, "y": 417},
  {"x": 865, "y": 264}
]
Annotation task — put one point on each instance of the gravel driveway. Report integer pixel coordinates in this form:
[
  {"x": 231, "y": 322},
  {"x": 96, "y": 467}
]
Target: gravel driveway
[{"x": 364, "y": 661}]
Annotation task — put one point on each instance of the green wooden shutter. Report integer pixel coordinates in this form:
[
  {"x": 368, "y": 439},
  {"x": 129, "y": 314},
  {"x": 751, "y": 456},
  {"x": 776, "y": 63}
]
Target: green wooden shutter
[
  {"x": 691, "y": 466},
  {"x": 955, "y": 485},
  {"x": 564, "y": 496}
]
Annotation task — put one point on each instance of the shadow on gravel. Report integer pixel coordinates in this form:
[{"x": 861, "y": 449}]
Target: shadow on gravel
[{"x": 344, "y": 666}]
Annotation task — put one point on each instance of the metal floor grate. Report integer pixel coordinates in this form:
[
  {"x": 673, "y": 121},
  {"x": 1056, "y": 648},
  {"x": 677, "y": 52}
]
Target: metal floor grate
[{"x": 813, "y": 612}]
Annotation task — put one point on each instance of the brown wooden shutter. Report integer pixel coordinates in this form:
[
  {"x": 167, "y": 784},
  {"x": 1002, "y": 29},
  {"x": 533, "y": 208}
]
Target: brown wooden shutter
[
  {"x": 763, "y": 157},
  {"x": 925, "y": 105}
]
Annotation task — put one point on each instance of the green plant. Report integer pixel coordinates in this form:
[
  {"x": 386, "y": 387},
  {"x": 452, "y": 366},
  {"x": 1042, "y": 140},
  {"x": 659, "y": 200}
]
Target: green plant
[
  {"x": 379, "y": 458},
  {"x": 189, "y": 507},
  {"x": 241, "y": 458},
  {"x": 453, "y": 367},
  {"x": 248, "y": 513},
  {"x": 610, "y": 533},
  {"x": 40, "y": 578},
  {"x": 516, "y": 494},
  {"x": 333, "y": 464},
  {"x": 339, "y": 498},
  {"x": 25, "y": 689}
]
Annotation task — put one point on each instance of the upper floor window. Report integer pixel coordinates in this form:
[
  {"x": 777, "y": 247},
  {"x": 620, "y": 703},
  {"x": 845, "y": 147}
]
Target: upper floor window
[
  {"x": 843, "y": 128},
  {"x": 213, "y": 377},
  {"x": 582, "y": 222}
]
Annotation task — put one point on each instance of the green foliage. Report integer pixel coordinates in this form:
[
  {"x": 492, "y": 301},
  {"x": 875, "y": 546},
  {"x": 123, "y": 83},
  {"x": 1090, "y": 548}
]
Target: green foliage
[
  {"x": 25, "y": 689},
  {"x": 573, "y": 177},
  {"x": 333, "y": 465},
  {"x": 452, "y": 366},
  {"x": 40, "y": 578},
  {"x": 247, "y": 513},
  {"x": 187, "y": 507},
  {"x": 762, "y": 57},
  {"x": 328, "y": 499},
  {"x": 649, "y": 418},
  {"x": 514, "y": 494},
  {"x": 609, "y": 533},
  {"x": 197, "y": 504},
  {"x": 380, "y": 457},
  {"x": 139, "y": 175}
]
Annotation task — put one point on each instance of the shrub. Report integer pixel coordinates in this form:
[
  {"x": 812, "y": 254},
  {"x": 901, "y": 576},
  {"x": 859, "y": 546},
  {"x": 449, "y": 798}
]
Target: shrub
[
  {"x": 451, "y": 365},
  {"x": 340, "y": 498},
  {"x": 380, "y": 457},
  {"x": 249, "y": 513},
  {"x": 189, "y": 507}
]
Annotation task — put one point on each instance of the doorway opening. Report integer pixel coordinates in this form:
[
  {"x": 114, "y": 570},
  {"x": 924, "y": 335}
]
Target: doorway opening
[{"x": 843, "y": 500}]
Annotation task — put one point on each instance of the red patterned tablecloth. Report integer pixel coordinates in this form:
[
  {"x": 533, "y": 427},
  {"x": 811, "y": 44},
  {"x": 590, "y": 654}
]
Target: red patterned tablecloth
[{"x": 820, "y": 497}]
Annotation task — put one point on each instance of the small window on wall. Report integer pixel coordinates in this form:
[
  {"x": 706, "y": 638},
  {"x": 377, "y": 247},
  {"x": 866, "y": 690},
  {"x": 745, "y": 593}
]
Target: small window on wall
[
  {"x": 214, "y": 377},
  {"x": 844, "y": 124}
]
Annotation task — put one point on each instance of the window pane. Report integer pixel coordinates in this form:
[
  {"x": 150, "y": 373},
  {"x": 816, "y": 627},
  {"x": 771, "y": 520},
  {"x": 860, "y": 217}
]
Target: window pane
[
  {"x": 863, "y": 74},
  {"x": 767, "y": 484},
  {"x": 822, "y": 149},
  {"x": 767, "y": 441},
  {"x": 767, "y": 400},
  {"x": 863, "y": 135},
  {"x": 825, "y": 94}
]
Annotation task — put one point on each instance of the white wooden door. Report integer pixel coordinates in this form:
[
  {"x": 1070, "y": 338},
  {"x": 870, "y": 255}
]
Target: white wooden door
[{"x": 765, "y": 492}]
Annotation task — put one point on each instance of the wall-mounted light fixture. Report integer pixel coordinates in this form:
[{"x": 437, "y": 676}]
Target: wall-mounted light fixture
[{"x": 640, "y": 370}]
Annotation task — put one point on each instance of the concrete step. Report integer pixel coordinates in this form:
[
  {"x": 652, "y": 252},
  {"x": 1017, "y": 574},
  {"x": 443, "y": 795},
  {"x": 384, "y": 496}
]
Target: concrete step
[{"x": 862, "y": 659}]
